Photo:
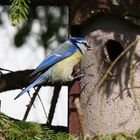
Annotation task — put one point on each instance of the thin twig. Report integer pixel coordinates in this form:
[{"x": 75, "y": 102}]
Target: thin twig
[
  {"x": 43, "y": 106},
  {"x": 81, "y": 117},
  {"x": 31, "y": 103},
  {"x": 2, "y": 69},
  {"x": 100, "y": 82},
  {"x": 131, "y": 79},
  {"x": 54, "y": 100},
  {"x": 30, "y": 96},
  {"x": 130, "y": 88},
  {"x": 83, "y": 88}
]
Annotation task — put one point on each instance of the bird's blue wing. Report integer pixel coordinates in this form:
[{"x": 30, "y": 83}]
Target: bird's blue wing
[
  {"x": 35, "y": 82},
  {"x": 66, "y": 50},
  {"x": 54, "y": 58}
]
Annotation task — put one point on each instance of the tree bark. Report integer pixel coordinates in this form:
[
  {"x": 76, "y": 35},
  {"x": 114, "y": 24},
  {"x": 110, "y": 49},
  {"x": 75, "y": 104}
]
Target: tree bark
[{"x": 115, "y": 106}]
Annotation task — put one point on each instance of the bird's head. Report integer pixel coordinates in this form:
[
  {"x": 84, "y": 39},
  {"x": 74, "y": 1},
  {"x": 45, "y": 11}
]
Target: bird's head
[{"x": 81, "y": 43}]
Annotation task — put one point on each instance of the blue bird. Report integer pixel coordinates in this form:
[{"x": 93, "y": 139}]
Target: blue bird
[{"x": 58, "y": 66}]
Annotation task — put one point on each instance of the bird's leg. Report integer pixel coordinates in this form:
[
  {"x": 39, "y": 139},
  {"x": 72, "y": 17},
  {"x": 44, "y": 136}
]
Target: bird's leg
[
  {"x": 76, "y": 75},
  {"x": 83, "y": 75},
  {"x": 79, "y": 76},
  {"x": 77, "y": 71},
  {"x": 70, "y": 78},
  {"x": 82, "y": 69}
]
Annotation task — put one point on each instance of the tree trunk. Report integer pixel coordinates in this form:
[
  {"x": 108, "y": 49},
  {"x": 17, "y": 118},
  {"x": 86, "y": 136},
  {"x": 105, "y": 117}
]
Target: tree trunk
[{"x": 115, "y": 107}]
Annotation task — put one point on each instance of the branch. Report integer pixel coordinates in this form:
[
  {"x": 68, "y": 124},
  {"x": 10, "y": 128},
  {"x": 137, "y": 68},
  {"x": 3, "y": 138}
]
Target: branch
[
  {"x": 81, "y": 117},
  {"x": 53, "y": 104},
  {"x": 43, "y": 107},
  {"x": 19, "y": 80},
  {"x": 14, "y": 80},
  {"x": 31, "y": 103}
]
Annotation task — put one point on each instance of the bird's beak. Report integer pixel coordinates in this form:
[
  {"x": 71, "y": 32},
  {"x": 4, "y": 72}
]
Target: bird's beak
[{"x": 89, "y": 47}]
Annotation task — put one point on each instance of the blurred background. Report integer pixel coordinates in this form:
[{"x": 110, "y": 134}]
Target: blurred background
[{"x": 24, "y": 47}]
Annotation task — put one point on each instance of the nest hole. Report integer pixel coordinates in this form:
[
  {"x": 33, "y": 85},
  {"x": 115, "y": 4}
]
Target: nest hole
[{"x": 112, "y": 49}]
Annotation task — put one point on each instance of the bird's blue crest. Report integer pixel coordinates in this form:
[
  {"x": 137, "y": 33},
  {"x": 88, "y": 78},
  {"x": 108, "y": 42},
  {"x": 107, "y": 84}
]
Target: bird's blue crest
[{"x": 76, "y": 39}]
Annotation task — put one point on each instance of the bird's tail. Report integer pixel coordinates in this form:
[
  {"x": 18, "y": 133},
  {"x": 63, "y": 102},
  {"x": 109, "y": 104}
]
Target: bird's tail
[{"x": 35, "y": 82}]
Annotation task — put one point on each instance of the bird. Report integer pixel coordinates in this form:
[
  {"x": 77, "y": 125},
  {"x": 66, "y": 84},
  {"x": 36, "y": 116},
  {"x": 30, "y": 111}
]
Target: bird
[{"x": 58, "y": 66}]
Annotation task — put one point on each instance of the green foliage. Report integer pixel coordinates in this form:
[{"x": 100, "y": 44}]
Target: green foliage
[
  {"x": 137, "y": 134},
  {"x": 21, "y": 130},
  {"x": 18, "y": 11}
]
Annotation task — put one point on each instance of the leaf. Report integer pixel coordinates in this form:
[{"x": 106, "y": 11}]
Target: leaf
[
  {"x": 107, "y": 137},
  {"x": 18, "y": 11},
  {"x": 137, "y": 134}
]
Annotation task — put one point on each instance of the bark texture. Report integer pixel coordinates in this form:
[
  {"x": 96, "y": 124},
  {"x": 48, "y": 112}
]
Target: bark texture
[{"x": 115, "y": 108}]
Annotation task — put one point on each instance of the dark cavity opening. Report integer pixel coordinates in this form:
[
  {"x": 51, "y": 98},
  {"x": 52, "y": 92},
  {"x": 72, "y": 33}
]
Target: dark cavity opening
[{"x": 112, "y": 49}]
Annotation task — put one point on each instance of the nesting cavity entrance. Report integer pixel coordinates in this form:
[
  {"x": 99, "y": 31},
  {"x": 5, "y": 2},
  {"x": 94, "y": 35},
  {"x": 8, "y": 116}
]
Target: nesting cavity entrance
[{"x": 112, "y": 49}]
